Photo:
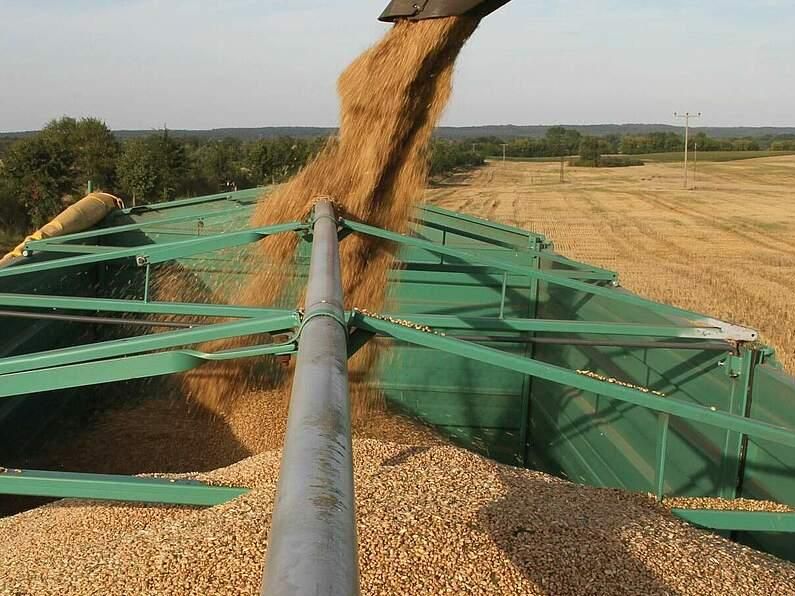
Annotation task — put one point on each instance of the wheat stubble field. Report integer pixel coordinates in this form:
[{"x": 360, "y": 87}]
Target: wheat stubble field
[{"x": 726, "y": 249}]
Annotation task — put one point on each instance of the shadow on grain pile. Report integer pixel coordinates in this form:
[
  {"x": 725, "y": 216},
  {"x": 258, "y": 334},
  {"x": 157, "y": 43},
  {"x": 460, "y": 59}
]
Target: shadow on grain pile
[{"x": 570, "y": 539}]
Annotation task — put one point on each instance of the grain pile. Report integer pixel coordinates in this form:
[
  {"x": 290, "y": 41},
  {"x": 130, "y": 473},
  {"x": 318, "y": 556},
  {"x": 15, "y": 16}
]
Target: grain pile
[
  {"x": 431, "y": 520},
  {"x": 392, "y": 97},
  {"x": 170, "y": 434},
  {"x": 718, "y": 504}
]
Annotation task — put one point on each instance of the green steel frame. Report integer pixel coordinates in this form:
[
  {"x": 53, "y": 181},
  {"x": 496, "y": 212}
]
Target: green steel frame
[
  {"x": 745, "y": 521},
  {"x": 734, "y": 332},
  {"x": 114, "y": 488},
  {"x": 556, "y": 374},
  {"x": 176, "y": 351},
  {"x": 151, "y": 254}
]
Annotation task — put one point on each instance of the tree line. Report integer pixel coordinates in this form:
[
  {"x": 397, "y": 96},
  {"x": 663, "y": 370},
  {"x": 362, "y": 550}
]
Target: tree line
[
  {"x": 559, "y": 141},
  {"x": 783, "y": 145},
  {"x": 41, "y": 173}
]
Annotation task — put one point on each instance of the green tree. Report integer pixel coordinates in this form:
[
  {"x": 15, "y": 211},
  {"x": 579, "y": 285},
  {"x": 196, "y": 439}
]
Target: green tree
[
  {"x": 258, "y": 162},
  {"x": 275, "y": 160},
  {"x": 93, "y": 148},
  {"x": 288, "y": 156},
  {"x": 48, "y": 169},
  {"x": 555, "y": 137},
  {"x": 97, "y": 154},
  {"x": 173, "y": 166},
  {"x": 591, "y": 149},
  {"x": 13, "y": 216},
  {"x": 137, "y": 171},
  {"x": 746, "y": 144},
  {"x": 153, "y": 168},
  {"x": 561, "y": 141},
  {"x": 612, "y": 143},
  {"x": 219, "y": 165},
  {"x": 5, "y": 143},
  {"x": 784, "y": 145},
  {"x": 40, "y": 172},
  {"x": 446, "y": 157}
]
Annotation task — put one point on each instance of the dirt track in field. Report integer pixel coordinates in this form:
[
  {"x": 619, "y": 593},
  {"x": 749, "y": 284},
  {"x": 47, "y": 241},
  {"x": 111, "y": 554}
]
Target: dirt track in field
[{"x": 726, "y": 249}]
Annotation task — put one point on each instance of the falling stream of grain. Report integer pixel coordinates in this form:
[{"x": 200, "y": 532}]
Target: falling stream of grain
[{"x": 376, "y": 170}]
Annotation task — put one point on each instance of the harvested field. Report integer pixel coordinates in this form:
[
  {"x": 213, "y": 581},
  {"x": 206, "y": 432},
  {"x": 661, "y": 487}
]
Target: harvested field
[
  {"x": 676, "y": 156},
  {"x": 431, "y": 520},
  {"x": 726, "y": 249}
]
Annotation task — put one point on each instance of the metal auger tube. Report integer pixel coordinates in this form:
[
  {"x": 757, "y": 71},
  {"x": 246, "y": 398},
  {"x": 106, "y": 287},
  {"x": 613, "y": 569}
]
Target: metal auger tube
[{"x": 312, "y": 542}]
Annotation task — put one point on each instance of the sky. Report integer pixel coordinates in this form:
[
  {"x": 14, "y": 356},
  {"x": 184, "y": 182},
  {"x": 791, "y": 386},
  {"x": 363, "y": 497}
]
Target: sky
[{"x": 140, "y": 64}]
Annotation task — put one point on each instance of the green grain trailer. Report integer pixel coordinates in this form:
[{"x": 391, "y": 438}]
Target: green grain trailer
[{"x": 511, "y": 350}]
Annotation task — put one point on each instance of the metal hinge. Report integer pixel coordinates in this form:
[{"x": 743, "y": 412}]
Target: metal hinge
[{"x": 732, "y": 366}]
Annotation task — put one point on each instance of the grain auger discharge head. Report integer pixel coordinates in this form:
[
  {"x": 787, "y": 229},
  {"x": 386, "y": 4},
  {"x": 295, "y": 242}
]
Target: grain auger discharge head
[{"x": 417, "y": 10}]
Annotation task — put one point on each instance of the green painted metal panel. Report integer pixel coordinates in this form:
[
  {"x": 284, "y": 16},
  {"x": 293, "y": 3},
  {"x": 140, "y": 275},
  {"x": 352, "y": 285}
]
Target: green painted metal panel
[
  {"x": 158, "y": 341},
  {"x": 694, "y": 450},
  {"x": 474, "y": 404},
  {"x": 768, "y": 471},
  {"x": 484, "y": 226},
  {"x": 622, "y": 392},
  {"x": 593, "y": 439}
]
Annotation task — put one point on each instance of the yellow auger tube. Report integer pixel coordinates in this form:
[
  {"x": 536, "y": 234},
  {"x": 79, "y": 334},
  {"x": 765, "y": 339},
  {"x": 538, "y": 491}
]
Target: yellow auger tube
[{"x": 87, "y": 212}]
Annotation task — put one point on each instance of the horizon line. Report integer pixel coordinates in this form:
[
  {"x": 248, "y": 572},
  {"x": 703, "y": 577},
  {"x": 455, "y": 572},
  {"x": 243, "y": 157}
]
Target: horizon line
[{"x": 452, "y": 126}]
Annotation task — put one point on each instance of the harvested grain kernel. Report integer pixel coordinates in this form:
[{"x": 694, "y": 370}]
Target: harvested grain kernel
[
  {"x": 614, "y": 381},
  {"x": 431, "y": 520},
  {"x": 718, "y": 504},
  {"x": 401, "y": 322}
]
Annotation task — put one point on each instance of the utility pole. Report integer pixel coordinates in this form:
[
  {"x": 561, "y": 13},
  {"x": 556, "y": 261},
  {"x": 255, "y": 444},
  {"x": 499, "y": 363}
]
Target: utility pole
[
  {"x": 686, "y": 116},
  {"x": 695, "y": 165},
  {"x": 504, "y": 146},
  {"x": 562, "y": 169}
]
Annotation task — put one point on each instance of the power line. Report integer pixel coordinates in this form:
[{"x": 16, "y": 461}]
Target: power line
[{"x": 686, "y": 116}]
